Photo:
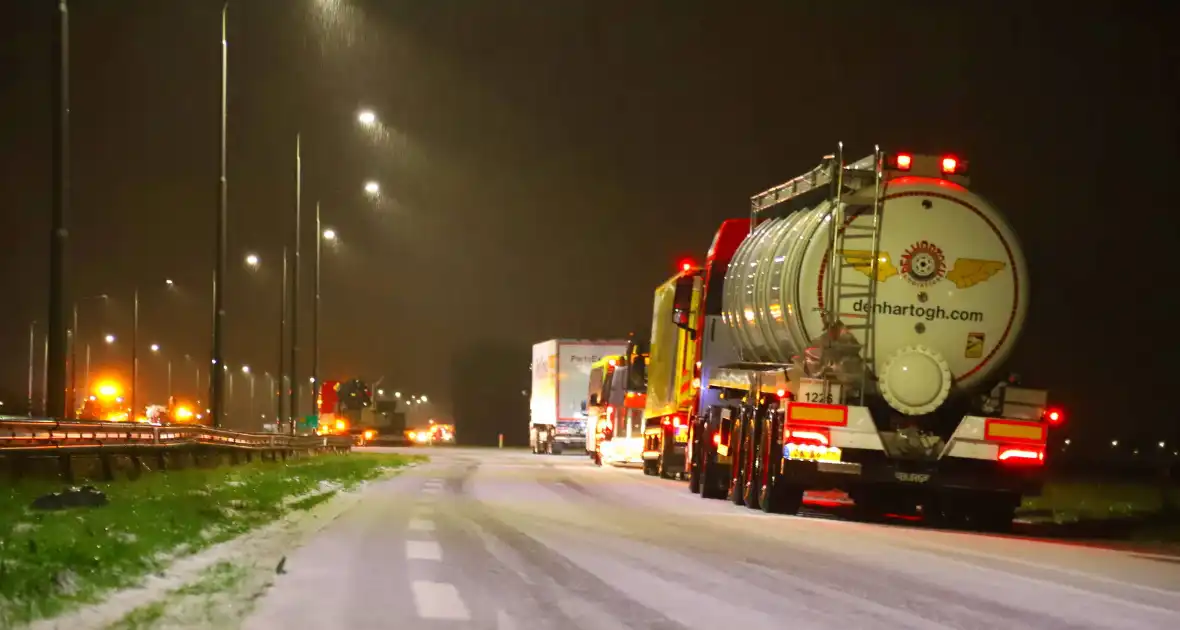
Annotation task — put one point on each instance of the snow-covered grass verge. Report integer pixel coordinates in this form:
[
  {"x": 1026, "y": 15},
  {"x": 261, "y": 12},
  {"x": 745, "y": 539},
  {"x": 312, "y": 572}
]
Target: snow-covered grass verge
[{"x": 51, "y": 562}]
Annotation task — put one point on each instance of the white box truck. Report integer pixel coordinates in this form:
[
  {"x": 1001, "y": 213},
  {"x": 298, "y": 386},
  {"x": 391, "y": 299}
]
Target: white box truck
[{"x": 561, "y": 384}]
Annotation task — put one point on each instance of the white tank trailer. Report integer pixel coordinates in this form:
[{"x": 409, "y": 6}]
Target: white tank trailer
[{"x": 880, "y": 360}]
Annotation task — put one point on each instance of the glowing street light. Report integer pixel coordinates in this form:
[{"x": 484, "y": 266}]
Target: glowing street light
[
  {"x": 169, "y": 282},
  {"x": 155, "y": 347},
  {"x": 245, "y": 369},
  {"x": 372, "y": 188},
  {"x": 329, "y": 234},
  {"x": 252, "y": 260},
  {"x": 109, "y": 339},
  {"x": 367, "y": 117},
  {"x": 397, "y": 394},
  {"x": 423, "y": 398}
]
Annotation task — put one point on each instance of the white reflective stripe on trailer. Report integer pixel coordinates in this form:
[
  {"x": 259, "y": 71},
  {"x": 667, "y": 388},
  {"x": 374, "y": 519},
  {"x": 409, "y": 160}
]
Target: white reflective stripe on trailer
[
  {"x": 860, "y": 432},
  {"x": 972, "y": 440}
]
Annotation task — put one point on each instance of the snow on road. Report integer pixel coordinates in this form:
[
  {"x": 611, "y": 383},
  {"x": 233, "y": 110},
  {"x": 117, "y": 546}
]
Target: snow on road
[{"x": 498, "y": 540}]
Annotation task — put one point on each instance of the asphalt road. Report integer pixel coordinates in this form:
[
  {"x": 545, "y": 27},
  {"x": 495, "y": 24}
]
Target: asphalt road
[{"x": 507, "y": 540}]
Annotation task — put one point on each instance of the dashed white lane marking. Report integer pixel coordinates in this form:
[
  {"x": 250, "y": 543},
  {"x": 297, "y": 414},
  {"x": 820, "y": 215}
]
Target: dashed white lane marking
[
  {"x": 423, "y": 550},
  {"x": 504, "y": 621},
  {"x": 431, "y": 490},
  {"x": 438, "y": 600},
  {"x": 421, "y": 525}
]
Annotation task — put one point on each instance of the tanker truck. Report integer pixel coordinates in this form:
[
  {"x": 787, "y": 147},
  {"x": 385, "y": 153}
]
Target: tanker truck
[{"x": 852, "y": 334}]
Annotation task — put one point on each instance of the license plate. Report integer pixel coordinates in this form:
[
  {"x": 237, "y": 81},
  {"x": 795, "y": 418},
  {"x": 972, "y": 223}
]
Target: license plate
[
  {"x": 682, "y": 437},
  {"x": 810, "y": 453}
]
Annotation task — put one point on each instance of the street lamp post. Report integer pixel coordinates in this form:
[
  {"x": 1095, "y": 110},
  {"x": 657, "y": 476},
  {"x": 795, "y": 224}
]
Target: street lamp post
[
  {"x": 315, "y": 314},
  {"x": 134, "y": 355},
  {"x": 250, "y": 377},
  {"x": 56, "y": 335},
  {"x": 279, "y": 417},
  {"x": 32, "y": 360},
  {"x": 218, "y": 376},
  {"x": 295, "y": 287}
]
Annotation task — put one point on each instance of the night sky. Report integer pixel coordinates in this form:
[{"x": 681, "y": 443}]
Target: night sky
[{"x": 544, "y": 165}]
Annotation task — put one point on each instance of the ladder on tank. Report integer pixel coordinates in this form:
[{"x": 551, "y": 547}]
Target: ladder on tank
[{"x": 850, "y": 188}]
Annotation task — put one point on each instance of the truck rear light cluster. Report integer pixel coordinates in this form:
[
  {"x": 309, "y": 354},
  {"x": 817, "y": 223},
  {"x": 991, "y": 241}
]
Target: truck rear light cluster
[
  {"x": 809, "y": 436},
  {"x": 1025, "y": 455},
  {"x": 673, "y": 421},
  {"x": 1054, "y": 416},
  {"x": 716, "y": 439}
]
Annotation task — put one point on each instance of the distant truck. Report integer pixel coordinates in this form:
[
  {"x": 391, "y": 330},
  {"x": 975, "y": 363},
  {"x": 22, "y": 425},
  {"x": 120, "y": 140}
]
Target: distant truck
[{"x": 560, "y": 387}]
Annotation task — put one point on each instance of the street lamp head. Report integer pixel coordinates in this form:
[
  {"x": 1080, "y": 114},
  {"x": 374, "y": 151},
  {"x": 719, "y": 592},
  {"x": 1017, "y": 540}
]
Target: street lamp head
[
  {"x": 109, "y": 339},
  {"x": 169, "y": 282},
  {"x": 372, "y": 187},
  {"x": 155, "y": 347},
  {"x": 367, "y": 117},
  {"x": 252, "y": 260},
  {"x": 381, "y": 392},
  {"x": 423, "y": 398},
  {"x": 245, "y": 369},
  {"x": 397, "y": 394},
  {"x": 329, "y": 234}
]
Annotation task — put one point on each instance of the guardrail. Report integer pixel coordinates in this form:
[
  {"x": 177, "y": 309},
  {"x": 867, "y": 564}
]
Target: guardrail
[{"x": 65, "y": 439}]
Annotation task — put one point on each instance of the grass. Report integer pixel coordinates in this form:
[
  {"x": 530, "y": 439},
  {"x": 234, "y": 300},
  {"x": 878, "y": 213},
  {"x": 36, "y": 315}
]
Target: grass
[
  {"x": 1079, "y": 501},
  {"x": 219, "y": 577},
  {"x": 50, "y": 561}
]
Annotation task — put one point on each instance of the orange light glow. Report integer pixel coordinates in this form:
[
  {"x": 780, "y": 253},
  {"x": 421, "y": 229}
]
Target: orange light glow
[{"x": 107, "y": 390}]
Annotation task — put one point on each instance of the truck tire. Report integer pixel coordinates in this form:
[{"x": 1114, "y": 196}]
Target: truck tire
[
  {"x": 712, "y": 486},
  {"x": 754, "y": 475},
  {"x": 781, "y": 497}
]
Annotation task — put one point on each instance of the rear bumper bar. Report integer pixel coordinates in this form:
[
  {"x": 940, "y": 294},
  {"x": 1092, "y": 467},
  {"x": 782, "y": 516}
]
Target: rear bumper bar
[{"x": 945, "y": 475}]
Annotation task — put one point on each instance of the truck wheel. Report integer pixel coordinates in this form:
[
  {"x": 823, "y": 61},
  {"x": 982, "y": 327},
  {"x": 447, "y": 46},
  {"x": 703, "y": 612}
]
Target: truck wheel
[
  {"x": 751, "y": 493},
  {"x": 663, "y": 470},
  {"x": 781, "y": 498},
  {"x": 711, "y": 486}
]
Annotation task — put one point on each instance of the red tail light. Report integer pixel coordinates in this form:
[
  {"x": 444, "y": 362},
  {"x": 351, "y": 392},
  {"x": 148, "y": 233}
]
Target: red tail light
[
  {"x": 949, "y": 165},
  {"x": 675, "y": 421},
  {"x": 816, "y": 437},
  {"x": 667, "y": 421},
  {"x": 716, "y": 439},
  {"x": 902, "y": 161},
  {"x": 1054, "y": 416},
  {"x": 1022, "y": 455}
]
